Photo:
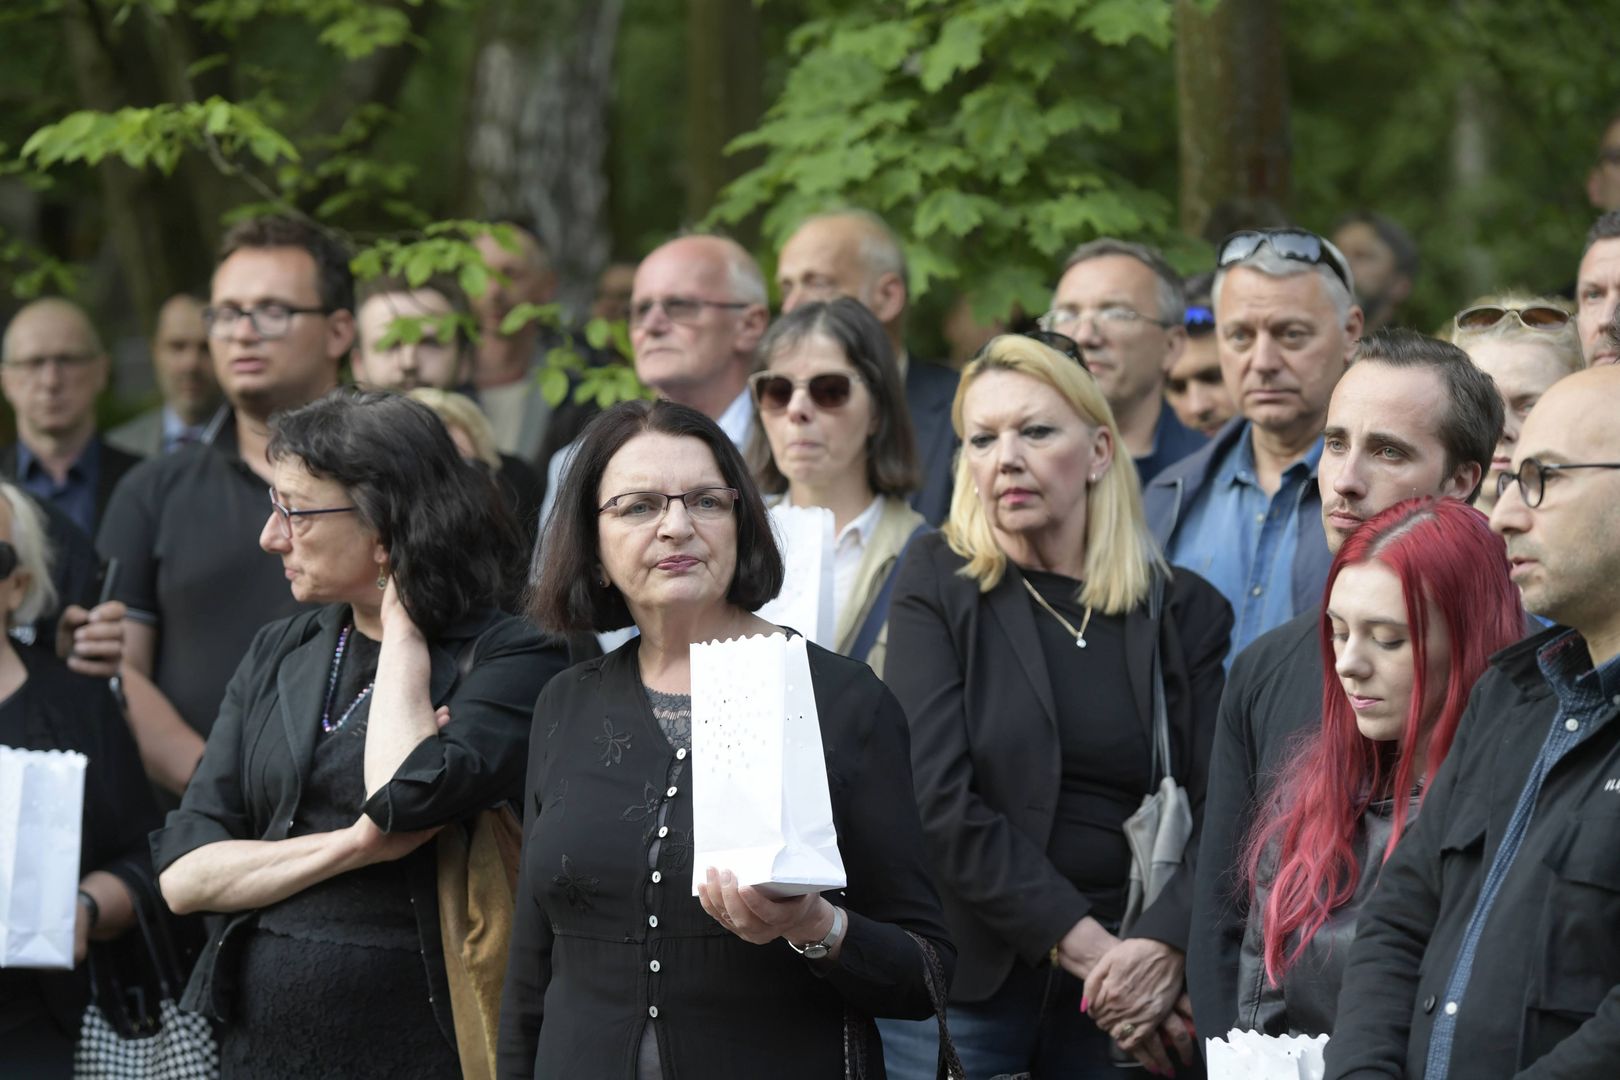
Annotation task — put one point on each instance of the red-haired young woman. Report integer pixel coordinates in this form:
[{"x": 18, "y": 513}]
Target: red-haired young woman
[{"x": 1417, "y": 599}]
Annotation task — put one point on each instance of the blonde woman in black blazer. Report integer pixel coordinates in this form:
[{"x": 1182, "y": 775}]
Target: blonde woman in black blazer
[{"x": 1029, "y": 748}]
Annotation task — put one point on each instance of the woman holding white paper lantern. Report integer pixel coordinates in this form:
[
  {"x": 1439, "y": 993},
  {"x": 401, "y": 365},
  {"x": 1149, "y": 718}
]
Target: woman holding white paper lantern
[
  {"x": 832, "y": 430},
  {"x": 1025, "y": 642},
  {"x": 616, "y": 969},
  {"x": 1417, "y": 600},
  {"x": 43, "y": 706}
]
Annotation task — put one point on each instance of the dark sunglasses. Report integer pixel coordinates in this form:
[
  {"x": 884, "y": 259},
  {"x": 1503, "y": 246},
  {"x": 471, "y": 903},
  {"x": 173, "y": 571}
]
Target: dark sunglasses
[
  {"x": 1062, "y": 343},
  {"x": 1538, "y": 317},
  {"x": 772, "y": 393},
  {"x": 1199, "y": 320},
  {"x": 1295, "y": 244}
]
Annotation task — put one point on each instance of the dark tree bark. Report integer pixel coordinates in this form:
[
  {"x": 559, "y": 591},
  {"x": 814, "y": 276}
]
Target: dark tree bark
[
  {"x": 725, "y": 97},
  {"x": 1232, "y": 85}
]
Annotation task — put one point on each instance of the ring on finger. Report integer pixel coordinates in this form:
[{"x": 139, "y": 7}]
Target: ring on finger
[{"x": 1126, "y": 1029}]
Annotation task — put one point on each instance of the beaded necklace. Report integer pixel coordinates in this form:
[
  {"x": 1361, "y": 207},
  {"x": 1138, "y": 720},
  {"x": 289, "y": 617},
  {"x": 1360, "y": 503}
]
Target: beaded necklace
[{"x": 331, "y": 687}]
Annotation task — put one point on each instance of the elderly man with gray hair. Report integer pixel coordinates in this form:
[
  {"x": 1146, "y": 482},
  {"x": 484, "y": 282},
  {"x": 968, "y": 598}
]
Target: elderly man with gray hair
[
  {"x": 1124, "y": 306},
  {"x": 1244, "y": 512}
]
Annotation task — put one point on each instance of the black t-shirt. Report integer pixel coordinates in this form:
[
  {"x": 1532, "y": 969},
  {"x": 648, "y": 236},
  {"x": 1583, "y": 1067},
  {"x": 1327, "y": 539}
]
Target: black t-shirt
[
  {"x": 1105, "y": 748},
  {"x": 185, "y": 531}
]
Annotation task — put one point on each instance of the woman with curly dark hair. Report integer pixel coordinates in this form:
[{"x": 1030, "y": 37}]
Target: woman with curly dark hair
[{"x": 350, "y": 734}]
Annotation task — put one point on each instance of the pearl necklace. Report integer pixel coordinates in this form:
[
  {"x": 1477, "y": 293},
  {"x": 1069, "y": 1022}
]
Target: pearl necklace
[{"x": 331, "y": 687}]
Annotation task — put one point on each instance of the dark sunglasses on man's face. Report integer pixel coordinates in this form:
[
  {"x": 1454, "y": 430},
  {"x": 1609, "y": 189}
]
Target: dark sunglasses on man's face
[
  {"x": 773, "y": 392},
  {"x": 1294, "y": 244}
]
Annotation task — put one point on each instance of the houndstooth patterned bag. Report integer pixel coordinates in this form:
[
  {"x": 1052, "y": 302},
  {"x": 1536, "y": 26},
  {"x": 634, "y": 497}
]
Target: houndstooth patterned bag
[
  {"x": 182, "y": 1048},
  {"x": 122, "y": 1037}
]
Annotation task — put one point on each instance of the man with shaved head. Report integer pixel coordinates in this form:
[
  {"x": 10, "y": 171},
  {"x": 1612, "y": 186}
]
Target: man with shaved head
[
  {"x": 1489, "y": 948},
  {"x": 697, "y": 311},
  {"x": 854, "y": 253},
  {"x": 52, "y": 367},
  {"x": 184, "y": 371}
]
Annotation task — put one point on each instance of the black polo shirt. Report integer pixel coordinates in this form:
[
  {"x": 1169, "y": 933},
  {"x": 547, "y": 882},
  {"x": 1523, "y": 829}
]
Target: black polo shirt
[{"x": 185, "y": 528}]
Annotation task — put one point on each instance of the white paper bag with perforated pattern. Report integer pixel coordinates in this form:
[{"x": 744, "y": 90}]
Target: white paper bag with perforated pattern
[
  {"x": 761, "y": 807},
  {"x": 41, "y": 812}
]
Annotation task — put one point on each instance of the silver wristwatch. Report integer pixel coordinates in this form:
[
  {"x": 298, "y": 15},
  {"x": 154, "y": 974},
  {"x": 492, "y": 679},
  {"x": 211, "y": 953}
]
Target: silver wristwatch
[{"x": 817, "y": 950}]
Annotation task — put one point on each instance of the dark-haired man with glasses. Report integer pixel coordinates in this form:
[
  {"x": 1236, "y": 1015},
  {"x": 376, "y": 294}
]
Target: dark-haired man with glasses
[
  {"x": 52, "y": 367},
  {"x": 185, "y": 527},
  {"x": 1489, "y": 950},
  {"x": 1124, "y": 306},
  {"x": 1244, "y": 512}
]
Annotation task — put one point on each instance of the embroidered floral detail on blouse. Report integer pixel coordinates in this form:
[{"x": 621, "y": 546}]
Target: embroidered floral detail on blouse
[
  {"x": 645, "y": 809},
  {"x": 613, "y": 743},
  {"x": 578, "y": 889},
  {"x": 677, "y": 849},
  {"x": 558, "y": 798}
]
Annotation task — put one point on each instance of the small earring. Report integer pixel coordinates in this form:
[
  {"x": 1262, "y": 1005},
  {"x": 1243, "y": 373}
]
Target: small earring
[
  {"x": 382, "y": 578},
  {"x": 602, "y": 582}
]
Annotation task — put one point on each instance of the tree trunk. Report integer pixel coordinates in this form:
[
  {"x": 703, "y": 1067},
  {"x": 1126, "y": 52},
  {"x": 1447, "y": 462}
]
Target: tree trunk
[
  {"x": 1232, "y": 85},
  {"x": 725, "y": 98},
  {"x": 537, "y": 148}
]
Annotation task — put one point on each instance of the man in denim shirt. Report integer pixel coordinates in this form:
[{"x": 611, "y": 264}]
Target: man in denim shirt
[
  {"x": 1489, "y": 949},
  {"x": 1244, "y": 512}
]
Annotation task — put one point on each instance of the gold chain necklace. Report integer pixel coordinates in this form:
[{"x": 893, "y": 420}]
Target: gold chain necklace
[{"x": 1080, "y": 634}]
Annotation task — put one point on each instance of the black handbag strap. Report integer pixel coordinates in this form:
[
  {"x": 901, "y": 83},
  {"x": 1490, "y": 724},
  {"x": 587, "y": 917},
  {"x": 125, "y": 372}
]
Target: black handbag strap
[{"x": 950, "y": 1065}]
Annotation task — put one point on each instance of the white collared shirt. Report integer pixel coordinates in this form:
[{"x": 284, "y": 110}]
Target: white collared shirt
[{"x": 849, "y": 546}]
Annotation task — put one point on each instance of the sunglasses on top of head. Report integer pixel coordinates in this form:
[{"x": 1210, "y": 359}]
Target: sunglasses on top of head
[
  {"x": 1296, "y": 245},
  {"x": 1534, "y": 317},
  {"x": 773, "y": 393}
]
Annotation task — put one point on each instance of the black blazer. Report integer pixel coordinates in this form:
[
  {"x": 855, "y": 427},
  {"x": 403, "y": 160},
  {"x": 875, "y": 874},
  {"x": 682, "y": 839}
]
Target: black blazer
[
  {"x": 930, "y": 390},
  {"x": 1272, "y": 695},
  {"x": 262, "y": 746},
  {"x": 608, "y": 933},
  {"x": 64, "y": 711},
  {"x": 969, "y": 669},
  {"x": 114, "y": 464}
]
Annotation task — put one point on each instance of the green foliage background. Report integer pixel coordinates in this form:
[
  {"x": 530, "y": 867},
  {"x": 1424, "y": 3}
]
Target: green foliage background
[{"x": 994, "y": 134}]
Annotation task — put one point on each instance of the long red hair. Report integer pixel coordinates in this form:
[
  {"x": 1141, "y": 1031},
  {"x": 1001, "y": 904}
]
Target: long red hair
[{"x": 1453, "y": 567}]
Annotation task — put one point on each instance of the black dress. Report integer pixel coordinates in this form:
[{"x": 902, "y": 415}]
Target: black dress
[
  {"x": 58, "y": 710},
  {"x": 609, "y": 939},
  {"x": 347, "y": 979}
]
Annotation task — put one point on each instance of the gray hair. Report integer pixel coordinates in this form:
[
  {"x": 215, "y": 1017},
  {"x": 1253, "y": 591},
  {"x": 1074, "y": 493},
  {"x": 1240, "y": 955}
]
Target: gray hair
[
  {"x": 880, "y": 248},
  {"x": 1172, "y": 293},
  {"x": 1268, "y": 262},
  {"x": 746, "y": 282},
  {"x": 33, "y": 555}
]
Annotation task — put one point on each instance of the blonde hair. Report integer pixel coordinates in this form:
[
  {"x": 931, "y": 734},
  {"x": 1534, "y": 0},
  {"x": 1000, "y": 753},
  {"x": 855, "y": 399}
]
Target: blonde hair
[
  {"x": 34, "y": 555},
  {"x": 1563, "y": 342},
  {"x": 1121, "y": 556},
  {"x": 459, "y": 411}
]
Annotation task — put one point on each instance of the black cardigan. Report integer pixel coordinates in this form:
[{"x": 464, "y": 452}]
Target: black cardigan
[
  {"x": 65, "y": 711},
  {"x": 607, "y": 932},
  {"x": 261, "y": 749},
  {"x": 969, "y": 669}
]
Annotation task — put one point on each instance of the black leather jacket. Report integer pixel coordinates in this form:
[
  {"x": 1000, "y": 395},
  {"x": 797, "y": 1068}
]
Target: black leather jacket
[{"x": 1309, "y": 995}]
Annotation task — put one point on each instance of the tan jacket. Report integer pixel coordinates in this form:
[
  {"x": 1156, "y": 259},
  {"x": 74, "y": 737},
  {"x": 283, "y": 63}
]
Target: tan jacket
[{"x": 895, "y": 524}]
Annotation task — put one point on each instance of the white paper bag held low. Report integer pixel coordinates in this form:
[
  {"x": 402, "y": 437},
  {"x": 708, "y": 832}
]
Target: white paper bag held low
[
  {"x": 760, "y": 803},
  {"x": 805, "y": 535},
  {"x": 41, "y": 811},
  {"x": 1249, "y": 1055}
]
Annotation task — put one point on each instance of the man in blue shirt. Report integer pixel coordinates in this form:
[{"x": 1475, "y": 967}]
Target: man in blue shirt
[
  {"x": 52, "y": 369},
  {"x": 1489, "y": 950},
  {"x": 1244, "y": 512},
  {"x": 1124, "y": 305},
  {"x": 184, "y": 371}
]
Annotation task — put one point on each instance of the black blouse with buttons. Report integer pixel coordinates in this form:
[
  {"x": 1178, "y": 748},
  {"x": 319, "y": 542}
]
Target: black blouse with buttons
[{"x": 610, "y": 943}]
